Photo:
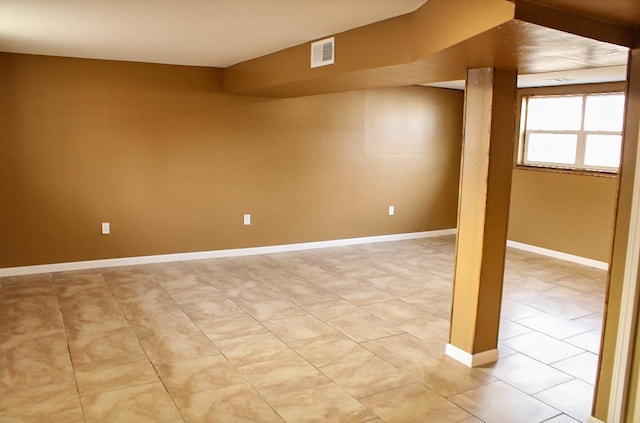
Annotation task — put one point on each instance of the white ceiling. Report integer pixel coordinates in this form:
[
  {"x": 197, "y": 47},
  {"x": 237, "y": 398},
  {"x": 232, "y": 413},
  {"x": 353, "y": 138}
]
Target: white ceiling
[{"x": 215, "y": 33}]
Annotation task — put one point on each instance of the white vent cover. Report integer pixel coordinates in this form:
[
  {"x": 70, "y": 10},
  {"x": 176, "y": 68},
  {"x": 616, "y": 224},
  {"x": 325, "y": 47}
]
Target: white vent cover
[{"x": 323, "y": 52}]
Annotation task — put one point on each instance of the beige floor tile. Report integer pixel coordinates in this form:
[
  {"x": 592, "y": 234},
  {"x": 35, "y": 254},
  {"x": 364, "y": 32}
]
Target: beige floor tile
[
  {"x": 396, "y": 311},
  {"x": 26, "y": 280},
  {"x": 166, "y": 272},
  {"x": 394, "y": 285},
  {"x": 332, "y": 310},
  {"x": 396, "y": 315},
  {"x": 107, "y": 375},
  {"x": 413, "y": 403},
  {"x": 509, "y": 329},
  {"x": 236, "y": 403},
  {"x": 131, "y": 288},
  {"x": 13, "y": 290},
  {"x": 190, "y": 280},
  {"x": 501, "y": 403},
  {"x": 563, "y": 418},
  {"x": 329, "y": 349},
  {"x": 254, "y": 349},
  {"x": 155, "y": 322},
  {"x": 583, "y": 366},
  {"x": 304, "y": 293},
  {"x": 433, "y": 330},
  {"x": 169, "y": 345},
  {"x": 361, "y": 294},
  {"x": 567, "y": 309},
  {"x": 211, "y": 307},
  {"x": 75, "y": 286},
  {"x": 593, "y": 321},
  {"x": 299, "y": 327},
  {"x": 323, "y": 404},
  {"x": 270, "y": 309},
  {"x": 367, "y": 376},
  {"x": 504, "y": 351},
  {"x": 145, "y": 403},
  {"x": 234, "y": 326},
  {"x": 76, "y": 296},
  {"x": 201, "y": 374},
  {"x": 403, "y": 350},
  {"x": 438, "y": 305},
  {"x": 150, "y": 305},
  {"x": 515, "y": 311},
  {"x": 51, "y": 403},
  {"x": 446, "y": 376},
  {"x": 119, "y": 344},
  {"x": 90, "y": 325},
  {"x": 542, "y": 347},
  {"x": 354, "y": 322},
  {"x": 555, "y": 326},
  {"x": 29, "y": 344},
  {"x": 29, "y": 314},
  {"x": 19, "y": 373},
  {"x": 589, "y": 341},
  {"x": 525, "y": 373},
  {"x": 574, "y": 398},
  {"x": 189, "y": 294},
  {"x": 127, "y": 274},
  {"x": 282, "y": 375}
]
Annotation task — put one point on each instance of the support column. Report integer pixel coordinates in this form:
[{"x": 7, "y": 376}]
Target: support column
[{"x": 483, "y": 214}]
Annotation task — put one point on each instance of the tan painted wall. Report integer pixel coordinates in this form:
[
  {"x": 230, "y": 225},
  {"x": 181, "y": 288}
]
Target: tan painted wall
[
  {"x": 172, "y": 163},
  {"x": 571, "y": 213}
]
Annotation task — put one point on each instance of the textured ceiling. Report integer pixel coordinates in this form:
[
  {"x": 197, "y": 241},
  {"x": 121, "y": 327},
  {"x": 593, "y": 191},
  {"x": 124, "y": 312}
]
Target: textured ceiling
[{"x": 620, "y": 11}]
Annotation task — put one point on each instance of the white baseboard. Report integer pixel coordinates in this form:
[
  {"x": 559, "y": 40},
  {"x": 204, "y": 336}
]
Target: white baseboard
[
  {"x": 237, "y": 252},
  {"x": 471, "y": 360},
  {"x": 559, "y": 255},
  {"x": 202, "y": 255},
  {"x": 594, "y": 420}
]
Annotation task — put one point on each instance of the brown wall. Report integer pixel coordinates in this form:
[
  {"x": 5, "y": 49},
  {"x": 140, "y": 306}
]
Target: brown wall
[
  {"x": 172, "y": 163},
  {"x": 571, "y": 213}
]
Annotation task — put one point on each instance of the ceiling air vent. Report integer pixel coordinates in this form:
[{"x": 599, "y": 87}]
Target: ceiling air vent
[{"x": 323, "y": 52}]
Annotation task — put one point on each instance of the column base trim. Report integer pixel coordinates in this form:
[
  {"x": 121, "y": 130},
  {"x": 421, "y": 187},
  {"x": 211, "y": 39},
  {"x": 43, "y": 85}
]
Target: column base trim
[
  {"x": 594, "y": 420},
  {"x": 471, "y": 360}
]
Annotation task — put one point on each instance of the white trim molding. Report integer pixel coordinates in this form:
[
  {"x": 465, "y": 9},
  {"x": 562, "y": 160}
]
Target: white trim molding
[
  {"x": 203, "y": 255},
  {"x": 622, "y": 359},
  {"x": 559, "y": 255},
  {"x": 471, "y": 360}
]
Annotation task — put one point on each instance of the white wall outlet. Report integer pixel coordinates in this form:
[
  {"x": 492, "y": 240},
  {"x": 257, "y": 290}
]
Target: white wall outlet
[
  {"x": 247, "y": 219},
  {"x": 392, "y": 210},
  {"x": 106, "y": 228}
]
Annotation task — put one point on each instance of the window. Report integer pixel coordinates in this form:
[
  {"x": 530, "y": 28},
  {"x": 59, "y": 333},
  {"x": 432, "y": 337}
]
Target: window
[{"x": 577, "y": 131}]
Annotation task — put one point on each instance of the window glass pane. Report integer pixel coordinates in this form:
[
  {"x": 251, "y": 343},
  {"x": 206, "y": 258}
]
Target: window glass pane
[
  {"x": 552, "y": 148},
  {"x": 604, "y": 112},
  {"x": 554, "y": 113},
  {"x": 603, "y": 150}
]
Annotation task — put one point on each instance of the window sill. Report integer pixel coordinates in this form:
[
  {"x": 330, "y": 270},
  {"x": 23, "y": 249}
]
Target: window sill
[{"x": 594, "y": 173}]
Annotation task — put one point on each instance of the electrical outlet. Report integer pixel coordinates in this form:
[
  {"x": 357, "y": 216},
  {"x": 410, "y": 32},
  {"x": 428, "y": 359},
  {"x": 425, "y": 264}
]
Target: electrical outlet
[
  {"x": 247, "y": 219},
  {"x": 106, "y": 228},
  {"x": 392, "y": 210}
]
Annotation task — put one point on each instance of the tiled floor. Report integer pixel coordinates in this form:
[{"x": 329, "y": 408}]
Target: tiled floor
[{"x": 351, "y": 334}]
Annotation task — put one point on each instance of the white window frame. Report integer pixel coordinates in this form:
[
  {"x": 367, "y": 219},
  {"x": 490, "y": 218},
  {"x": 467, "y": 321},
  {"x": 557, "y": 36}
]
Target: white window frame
[{"x": 581, "y": 134}]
